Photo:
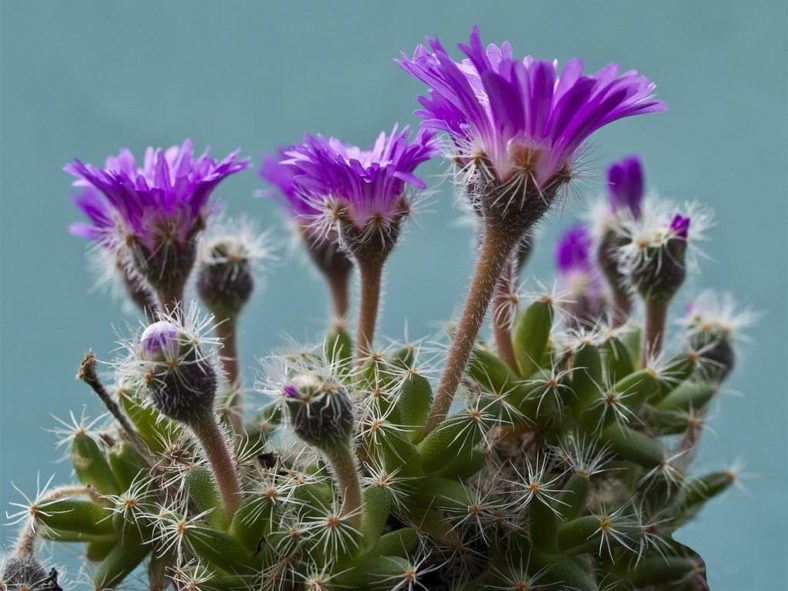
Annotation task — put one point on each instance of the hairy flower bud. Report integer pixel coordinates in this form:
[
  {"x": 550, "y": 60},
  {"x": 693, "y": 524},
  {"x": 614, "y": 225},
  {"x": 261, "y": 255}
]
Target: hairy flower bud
[
  {"x": 225, "y": 281},
  {"x": 25, "y": 573},
  {"x": 660, "y": 267},
  {"x": 179, "y": 379},
  {"x": 320, "y": 411}
]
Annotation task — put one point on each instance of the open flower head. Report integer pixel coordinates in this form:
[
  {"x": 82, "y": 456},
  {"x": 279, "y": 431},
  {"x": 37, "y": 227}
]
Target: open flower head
[
  {"x": 365, "y": 192},
  {"x": 521, "y": 122},
  {"x": 155, "y": 209}
]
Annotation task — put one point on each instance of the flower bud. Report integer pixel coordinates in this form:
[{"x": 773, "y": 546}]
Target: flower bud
[
  {"x": 660, "y": 268},
  {"x": 26, "y": 573},
  {"x": 225, "y": 279},
  {"x": 178, "y": 377},
  {"x": 320, "y": 411}
]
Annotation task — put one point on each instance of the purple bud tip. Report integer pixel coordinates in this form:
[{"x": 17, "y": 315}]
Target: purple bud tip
[
  {"x": 159, "y": 339},
  {"x": 625, "y": 185},
  {"x": 573, "y": 249},
  {"x": 291, "y": 391},
  {"x": 679, "y": 226}
]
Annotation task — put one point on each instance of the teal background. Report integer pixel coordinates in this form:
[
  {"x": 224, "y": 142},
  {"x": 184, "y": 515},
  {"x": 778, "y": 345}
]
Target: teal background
[{"x": 85, "y": 78}]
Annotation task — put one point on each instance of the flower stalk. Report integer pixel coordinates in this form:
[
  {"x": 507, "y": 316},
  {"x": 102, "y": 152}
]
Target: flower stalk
[{"x": 497, "y": 244}]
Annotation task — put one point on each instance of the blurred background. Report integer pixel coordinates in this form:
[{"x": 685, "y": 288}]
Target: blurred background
[{"x": 82, "y": 79}]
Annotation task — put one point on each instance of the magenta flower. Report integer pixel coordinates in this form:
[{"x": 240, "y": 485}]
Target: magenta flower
[
  {"x": 522, "y": 115},
  {"x": 365, "y": 188},
  {"x": 574, "y": 255},
  {"x": 625, "y": 185},
  {"x": 155, "y": 210},
  {"x": 165, "y": 198},
  {"x": 574, "y": 249}
]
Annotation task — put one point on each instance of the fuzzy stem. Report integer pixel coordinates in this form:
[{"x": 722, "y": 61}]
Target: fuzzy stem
[
  {"x": 87, "y": 373},
  {"x": 344, "y": 467},
  {"x": 215, "y": 447},
  {"x": 226, "y": 331},
  {"x": 654, "y": 332},
  {"x": 502, "y": 318},
  {"x": 622, "y": 306},
  {"x": 340, "y": 298},
  {"x": 497, "y": 245},
  {"x": 371, "y": 272}
]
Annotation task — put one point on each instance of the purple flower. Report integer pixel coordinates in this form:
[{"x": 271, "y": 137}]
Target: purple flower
[
  {"x": 164, "y": 199},
  {"x": 679, "y": 227},
  {"x": 522, "y": 115},
  {"x": 574, "y": 250},
  {"x": 625, "y": 185},
  {"x": 368, "y": 187},
  {"x": 574, "y": 254},
  {"x": 276, "y": 172}
]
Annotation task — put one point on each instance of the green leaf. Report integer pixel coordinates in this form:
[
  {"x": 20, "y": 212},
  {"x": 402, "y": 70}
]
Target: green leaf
[
  {"x": 91, "y": 466},
  {"x": 531, "y": 334},
  {"x": 202, "y": 490}
]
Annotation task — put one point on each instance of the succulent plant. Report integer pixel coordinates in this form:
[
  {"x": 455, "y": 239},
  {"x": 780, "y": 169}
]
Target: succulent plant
[{"x": 558, "y": 455}]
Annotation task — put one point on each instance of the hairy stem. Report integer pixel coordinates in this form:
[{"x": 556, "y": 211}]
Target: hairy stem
[
  {"x": 654, "y": 331},
  {"x": 340, "y": 298},
  {"x": 215, "y": 448},
  {"x": 226, "y": 331},
  {"x": 371, "y": 272},
  {"x": 496, "y": 247},
  {"x": 344, "y": 467},
  {"x": 622, "y": 305},
  {"x": 502, "y": 312}
]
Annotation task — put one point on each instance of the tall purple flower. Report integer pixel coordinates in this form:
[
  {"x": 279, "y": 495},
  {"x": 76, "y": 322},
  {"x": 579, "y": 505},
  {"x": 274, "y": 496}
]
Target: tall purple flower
[
  {"x": 362, "y": 196},
  {"x": 521, "y": 121},
  {"x": 625, "y": 185},
  {"x": 516, "y": 126},
  {"x": 578, "y": 274},
  {"x": 155, "y": 210}
]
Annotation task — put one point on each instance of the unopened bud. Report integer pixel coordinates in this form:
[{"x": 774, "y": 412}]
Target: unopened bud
[
  {"x": 180, "y": 380},
  {"x": 225, "y": 281},
  {"x": 320, "y": 411}
]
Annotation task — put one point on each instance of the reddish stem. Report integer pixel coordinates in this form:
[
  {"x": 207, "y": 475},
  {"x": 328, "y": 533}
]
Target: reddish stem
[
  {"x": 497, "y": 245},
  {"x": 370, "y": 272}
]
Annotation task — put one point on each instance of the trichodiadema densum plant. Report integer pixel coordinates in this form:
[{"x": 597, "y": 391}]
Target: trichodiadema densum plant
[{"x": 557, "y": 454}]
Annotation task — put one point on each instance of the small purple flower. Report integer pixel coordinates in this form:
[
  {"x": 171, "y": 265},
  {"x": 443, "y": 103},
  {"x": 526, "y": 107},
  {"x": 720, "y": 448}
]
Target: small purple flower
[
  {"x": 166, "y": 199},
  {"x": 625, "y": 185},
  {"x": 291, "y": 392},
  {"x": 522, "y": 116},
  {"x": 679, "y": 227},
  {"x": 366, "y": 188},
  {"x": 573, "y": 251},
  {"x": 160, "y": 340},
  {"x": 574, "y": 254}
]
